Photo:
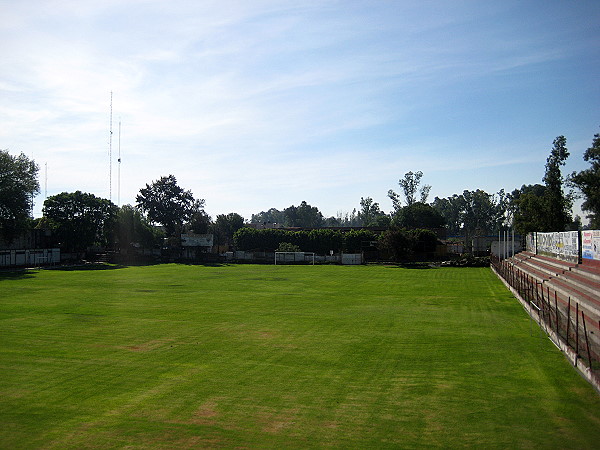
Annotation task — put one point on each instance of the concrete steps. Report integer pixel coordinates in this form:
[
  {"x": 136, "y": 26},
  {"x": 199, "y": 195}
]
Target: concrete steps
[{"x": 563, "y": 281}]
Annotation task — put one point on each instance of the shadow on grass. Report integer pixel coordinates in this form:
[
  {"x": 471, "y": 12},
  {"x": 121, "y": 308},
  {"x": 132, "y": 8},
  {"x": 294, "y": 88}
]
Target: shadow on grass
[
  {"x": 17, "y": 274},
  {"x": 206, "y": 264},
  {"x": 106, "y": 266},
  {"x": 93, "y": 266},
  {"x": 413, "y": 265}
]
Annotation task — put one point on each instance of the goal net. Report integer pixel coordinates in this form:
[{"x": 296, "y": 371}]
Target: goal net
[{"x": 294, "y": 258}]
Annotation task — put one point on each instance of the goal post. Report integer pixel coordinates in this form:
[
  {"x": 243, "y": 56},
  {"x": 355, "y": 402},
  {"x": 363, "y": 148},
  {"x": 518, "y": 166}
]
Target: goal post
[{"x": 294, "y": 258}]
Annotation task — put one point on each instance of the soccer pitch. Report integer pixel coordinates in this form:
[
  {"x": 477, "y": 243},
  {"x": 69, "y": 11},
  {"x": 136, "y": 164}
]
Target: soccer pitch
[{"x": 172, "y": 356}]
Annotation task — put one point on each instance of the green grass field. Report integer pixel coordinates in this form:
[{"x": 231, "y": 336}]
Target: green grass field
[{"x": 176, "y": 356}]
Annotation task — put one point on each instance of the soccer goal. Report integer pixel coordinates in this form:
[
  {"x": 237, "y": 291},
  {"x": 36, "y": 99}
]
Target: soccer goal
[{"x": 294, "y": 258}]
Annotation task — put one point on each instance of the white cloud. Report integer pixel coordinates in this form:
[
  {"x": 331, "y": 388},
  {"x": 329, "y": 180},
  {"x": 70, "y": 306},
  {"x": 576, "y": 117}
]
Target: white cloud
[{"x": 250, "y": 101}]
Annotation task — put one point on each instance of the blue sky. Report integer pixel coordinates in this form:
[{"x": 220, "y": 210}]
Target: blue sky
[{"x": 260, "y": 104}]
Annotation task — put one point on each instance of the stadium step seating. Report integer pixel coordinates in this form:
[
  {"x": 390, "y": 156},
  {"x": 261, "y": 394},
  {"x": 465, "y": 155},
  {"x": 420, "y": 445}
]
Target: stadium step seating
[{"x": 566, "y": 281}]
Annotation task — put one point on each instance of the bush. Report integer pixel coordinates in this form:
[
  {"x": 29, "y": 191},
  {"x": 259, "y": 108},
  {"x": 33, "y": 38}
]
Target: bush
[
  {"x": 288, "y": 247},
  {"x": 403, "y": 244},
  {"x": 319, "y": 241},
  {"x": 468, "y": 260}
]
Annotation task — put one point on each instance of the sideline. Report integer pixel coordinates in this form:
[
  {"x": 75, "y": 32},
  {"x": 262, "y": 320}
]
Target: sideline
[{"x": 569, "y": 353}]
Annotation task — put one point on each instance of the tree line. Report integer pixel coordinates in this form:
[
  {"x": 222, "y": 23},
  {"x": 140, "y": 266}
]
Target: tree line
[{"x": 80, "y": 220}]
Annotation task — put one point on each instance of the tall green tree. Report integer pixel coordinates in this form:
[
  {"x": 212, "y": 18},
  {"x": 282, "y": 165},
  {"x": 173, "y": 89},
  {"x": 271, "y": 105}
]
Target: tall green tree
[
  {"x": 199, "y": 221},
  {"x": 451, "y": 209},
  {"x": 80, "y": 220},
  {"x": 410, "y": 188},
  {"x": 167, "y": 204},
  {"x": 402, "y": 244},
  {"x": 588, "y": 182},
  {"x": 303, "y": 215},
  {"x": 273, "y": 215},
  {"x": 544, "y": 207},
  {"x": 527, "y": 208},
  {"x": 370, "y": 214},
  {"x": 473, "y": 212},
  {"x": 419, "y": 215},
  {"x": 225, "y": 227},
  {"x": 132, "y": 229},
  {"x": 347, "y": 219},
  {"x": 558, "y": 204},
  {"x": 18, "y": 186},
  {"x": 482, "y": 212}
]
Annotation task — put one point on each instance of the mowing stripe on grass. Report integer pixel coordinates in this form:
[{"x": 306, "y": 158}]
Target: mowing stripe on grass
[{"x": 245, "y": 355}]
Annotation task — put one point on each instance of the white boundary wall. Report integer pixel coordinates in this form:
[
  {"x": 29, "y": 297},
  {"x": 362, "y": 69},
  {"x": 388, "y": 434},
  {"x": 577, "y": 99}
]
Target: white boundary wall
[
  {"x": 292, "y": 257},
  {"x": 352, "y": 259},
  {"x": 31, "y": 258},
  {"x": 562, "y": 245}
]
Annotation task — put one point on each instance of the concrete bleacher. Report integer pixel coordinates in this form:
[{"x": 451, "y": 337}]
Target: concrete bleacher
[{"x": 566, "y": 280}]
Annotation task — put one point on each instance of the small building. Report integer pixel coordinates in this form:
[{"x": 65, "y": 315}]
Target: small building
[{"x": 194, "y": 244}]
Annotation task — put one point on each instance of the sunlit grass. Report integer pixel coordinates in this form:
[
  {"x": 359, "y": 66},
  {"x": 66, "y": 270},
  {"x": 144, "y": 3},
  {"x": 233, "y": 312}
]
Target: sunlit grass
[{"x": 280, "y": 356}]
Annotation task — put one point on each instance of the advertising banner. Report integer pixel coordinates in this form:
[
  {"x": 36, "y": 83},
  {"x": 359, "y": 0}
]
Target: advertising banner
[
  {"x": 560, "y": 245},
  {"x": 590, "y": 244},
  {"x": 530, "y": 243}
]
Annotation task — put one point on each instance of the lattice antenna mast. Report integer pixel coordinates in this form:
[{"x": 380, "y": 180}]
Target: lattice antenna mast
[
  {"x": 110, "y": 151},
  {"x": 119, "y": 167}
]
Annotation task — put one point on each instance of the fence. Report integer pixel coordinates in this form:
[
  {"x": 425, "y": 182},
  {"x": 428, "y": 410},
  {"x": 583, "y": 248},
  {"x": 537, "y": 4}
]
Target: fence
[
  {"x": 36, "y": 257},
  {"x": 268, "y": 257},
  {"x": 567, "y": 324}
]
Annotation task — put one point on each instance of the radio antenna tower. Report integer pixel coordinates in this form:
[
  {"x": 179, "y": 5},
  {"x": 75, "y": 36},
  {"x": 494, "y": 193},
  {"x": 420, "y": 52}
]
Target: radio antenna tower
[
  {"x": 110, "y": 152},
  {"x": 119, "y": 167}
]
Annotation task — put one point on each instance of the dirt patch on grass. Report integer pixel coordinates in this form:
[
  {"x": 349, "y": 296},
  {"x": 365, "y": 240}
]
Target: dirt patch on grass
[
  {"x": 148, "y": 346},
  {"x": 206, "y": 414},
  {"x": 200, "y": 442},
  {"x": 274, "y": 422}
]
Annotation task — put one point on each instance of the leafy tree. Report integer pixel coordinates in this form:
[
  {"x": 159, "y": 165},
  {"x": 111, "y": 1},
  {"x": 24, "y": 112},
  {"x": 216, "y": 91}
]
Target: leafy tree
[
  {"x": 331, "y": 222},
  {"x": 303, "y": 215},
  {"x": 558, "y": 204},
  {"x": 544, "y": 207},
  {"x": 347, "y": 219},
  {"x": 473, "y": 212},
  {"x": 396, "y": 244},
  {"x": 410, "y": 187},
  {"x": 451, "y": 209},
  {"x": 482, "y": 212},
  {"x": 527, "y": 209},
  {"x": 424, "y": 241},
  {"x": 225, "y": 227},
  {"x": 273, "y": 215},
  {"x": 401, "y": 244},
  {"x": 588, "y": 182},
  {"x": 80, "y": 220},
  {"x": 199, "y": 222},
  {"x": 132, "y": 229},
  {"x": 167, "y": 204},
  {"x": 18, "y": 186},
  {"x": 382, "y": 220},
  {"x": 419, "y": 215},
  {"x": 370, "y": 214}
]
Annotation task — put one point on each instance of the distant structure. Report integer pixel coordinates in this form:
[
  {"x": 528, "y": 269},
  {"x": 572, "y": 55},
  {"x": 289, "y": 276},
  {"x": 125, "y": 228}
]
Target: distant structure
[
  {"x": 119, "y": 169},
  {"x": 110, "y": 150}
]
